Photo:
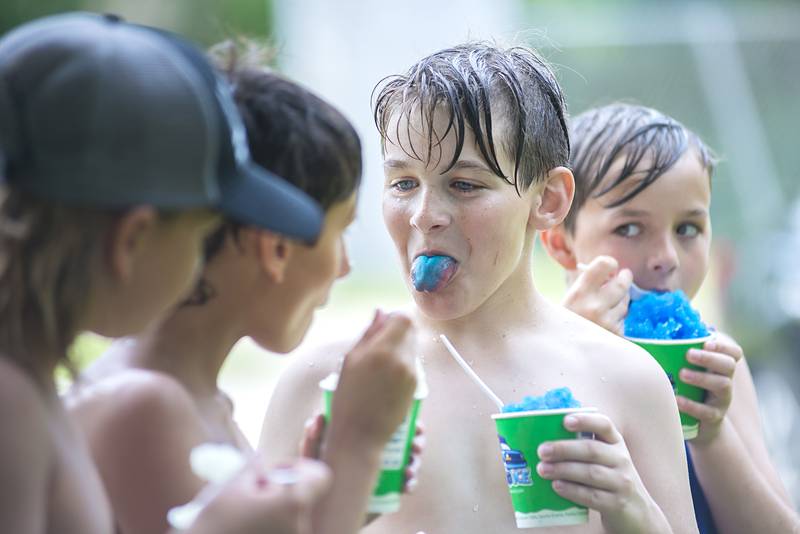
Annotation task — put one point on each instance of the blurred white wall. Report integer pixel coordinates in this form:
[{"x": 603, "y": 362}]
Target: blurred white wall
[{"x": 341, "y": 49}]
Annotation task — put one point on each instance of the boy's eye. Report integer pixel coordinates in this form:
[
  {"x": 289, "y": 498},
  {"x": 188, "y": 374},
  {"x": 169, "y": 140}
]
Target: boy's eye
[
  {"x": 464, "y": 187},
  {"x": 628, "y": 230},
  {"x": 403, "y": 185},
  {"x": 688, "y": 230}
]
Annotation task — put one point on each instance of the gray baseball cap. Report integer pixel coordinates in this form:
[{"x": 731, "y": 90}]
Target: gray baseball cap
[{"x": 98, "y": 112}]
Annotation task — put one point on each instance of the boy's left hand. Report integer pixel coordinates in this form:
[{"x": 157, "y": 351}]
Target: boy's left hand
[
  {"x": 719, "y": 357},
  {"x": 598, "y": 473}
]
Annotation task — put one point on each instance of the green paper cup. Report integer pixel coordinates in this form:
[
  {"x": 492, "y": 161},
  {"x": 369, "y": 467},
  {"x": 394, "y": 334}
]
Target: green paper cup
[
  {"x": 671, "y": 356},
  {"x": 535, "y": 502},
  {"x": 394, "y": 460}
]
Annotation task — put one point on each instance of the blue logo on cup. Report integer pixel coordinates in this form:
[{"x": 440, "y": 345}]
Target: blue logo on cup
[{"x": 518, "y": 473}]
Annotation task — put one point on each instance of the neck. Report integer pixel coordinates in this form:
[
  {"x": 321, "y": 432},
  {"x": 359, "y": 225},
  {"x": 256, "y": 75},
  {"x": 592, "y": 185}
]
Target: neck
[{"x": 191, "y": 344}]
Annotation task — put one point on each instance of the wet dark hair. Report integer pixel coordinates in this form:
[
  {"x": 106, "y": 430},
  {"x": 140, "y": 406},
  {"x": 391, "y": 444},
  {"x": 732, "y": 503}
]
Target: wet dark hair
[
  {"x": 291, "y": 132},
  {"x": 478, "y": 84},
  {"x": 637, "y": 134}
]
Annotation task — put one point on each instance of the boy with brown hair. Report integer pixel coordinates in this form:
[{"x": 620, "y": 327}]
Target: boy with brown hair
[
  {"x": 475, "y": 156},
  {"x": 642, "y": 213}
]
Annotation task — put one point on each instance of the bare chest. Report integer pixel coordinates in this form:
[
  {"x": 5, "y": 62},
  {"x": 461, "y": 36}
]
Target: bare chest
[{"x": 462, "y": 483}]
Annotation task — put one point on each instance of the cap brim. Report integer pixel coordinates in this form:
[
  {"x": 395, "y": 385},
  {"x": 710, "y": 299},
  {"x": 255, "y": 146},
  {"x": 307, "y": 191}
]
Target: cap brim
[{"x": 260, "y": 198}]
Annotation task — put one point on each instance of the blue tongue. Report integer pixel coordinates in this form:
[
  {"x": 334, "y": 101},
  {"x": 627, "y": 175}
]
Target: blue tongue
[{"x": 430, "y": 273}]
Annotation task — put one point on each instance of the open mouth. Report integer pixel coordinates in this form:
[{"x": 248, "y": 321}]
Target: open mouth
[{"x": 432, "y": 273}]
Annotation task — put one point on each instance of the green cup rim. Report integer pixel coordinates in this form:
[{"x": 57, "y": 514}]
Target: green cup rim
[
  {"x": 688, "y": 341},
  {"x": 511, "y": 415}
]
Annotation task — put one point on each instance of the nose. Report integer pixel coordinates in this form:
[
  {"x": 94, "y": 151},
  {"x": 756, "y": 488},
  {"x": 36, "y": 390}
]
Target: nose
[
  {"x": 430, "y": 212},
  {"x": 664, "y": 257},
  {"x": 344, "y": 263}
]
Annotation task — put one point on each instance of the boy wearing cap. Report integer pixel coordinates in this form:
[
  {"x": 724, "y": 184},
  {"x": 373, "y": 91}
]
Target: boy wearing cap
[{"x": 119, "y": 144}]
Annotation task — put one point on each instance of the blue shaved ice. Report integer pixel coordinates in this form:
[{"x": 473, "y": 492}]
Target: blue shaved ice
[
  {"x": 552, "y": 400},
  {"x": 664, "y": 316}
]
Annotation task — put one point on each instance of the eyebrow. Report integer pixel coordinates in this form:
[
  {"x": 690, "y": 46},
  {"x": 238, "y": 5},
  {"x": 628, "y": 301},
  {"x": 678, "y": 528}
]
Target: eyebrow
[
  {"x": 470, "y": 165},
  {"x": 627, "y": 212},
  {"x": 696, "y": 213},
  {"x": 460, "y": 165},
  {"x": 699, "y": 212},
  {"x": 395, "y": 164}
]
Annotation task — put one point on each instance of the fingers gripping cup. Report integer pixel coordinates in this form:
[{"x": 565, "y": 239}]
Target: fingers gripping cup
[
  {"x": 671, "y": 356},
  {"x": 394, "y": 459},
  {"x": 535, "y": 502},
  {"x": 666, "y": 326}
]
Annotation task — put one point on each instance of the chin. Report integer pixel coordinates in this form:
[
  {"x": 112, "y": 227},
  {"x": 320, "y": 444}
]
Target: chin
[{"x": 439, "y": 306}]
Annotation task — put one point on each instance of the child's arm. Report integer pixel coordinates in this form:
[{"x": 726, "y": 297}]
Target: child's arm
[
  {"x": 25, "y": 454},
  {"x": 373, "y": 396},
  {"x": 600, "y": 293},
  {"x": 730, "y": 455}
]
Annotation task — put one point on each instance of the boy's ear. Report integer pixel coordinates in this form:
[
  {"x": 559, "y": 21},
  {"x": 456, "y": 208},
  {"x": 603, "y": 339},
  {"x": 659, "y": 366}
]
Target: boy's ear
[
  {"x": 274, "y": 254},
  {"x": 558, "y": 244},
  {"x": 556, "y": 196},
  {"x": 127, "y": 240}
]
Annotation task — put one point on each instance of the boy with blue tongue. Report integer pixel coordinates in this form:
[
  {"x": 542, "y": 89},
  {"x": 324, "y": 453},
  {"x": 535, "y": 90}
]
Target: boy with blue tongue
[{"x": 475, "y": 153}]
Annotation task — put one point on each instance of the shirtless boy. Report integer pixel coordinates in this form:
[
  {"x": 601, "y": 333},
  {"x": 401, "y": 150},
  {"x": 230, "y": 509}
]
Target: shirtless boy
[{"x": 475, "y": 154}]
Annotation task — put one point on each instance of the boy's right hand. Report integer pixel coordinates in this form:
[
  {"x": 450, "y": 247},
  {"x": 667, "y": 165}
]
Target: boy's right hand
[
  {"x": 257, "y": 501},
  {"x": 377, "y": 381},
  {"x": 600, "y": 293}
]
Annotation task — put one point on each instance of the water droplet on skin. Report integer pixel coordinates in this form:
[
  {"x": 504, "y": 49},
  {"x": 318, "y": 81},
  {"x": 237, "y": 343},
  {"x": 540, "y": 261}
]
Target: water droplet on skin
[
  {"x": 475, "y": 508},
  {"x": 603, "y": 379},
  {"x": 311, "y": 364}
]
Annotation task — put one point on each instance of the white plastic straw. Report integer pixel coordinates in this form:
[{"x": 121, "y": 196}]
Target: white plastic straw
[{"x": 464, "y": 365}]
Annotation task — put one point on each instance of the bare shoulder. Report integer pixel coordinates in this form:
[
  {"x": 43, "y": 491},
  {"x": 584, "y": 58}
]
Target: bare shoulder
[
  {"x": 131, "y": 391},
  {"x": 312, "y": 362},
  {"x": 133, "y": 406},
  {"x": 633, "y": 377},
  {"x": 609, "y": 350},
  {"x": 141, "y": 426}
]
